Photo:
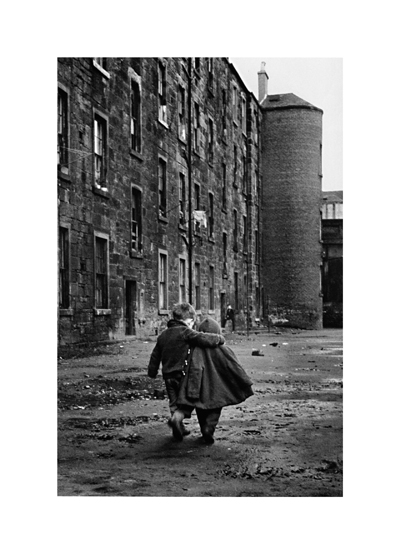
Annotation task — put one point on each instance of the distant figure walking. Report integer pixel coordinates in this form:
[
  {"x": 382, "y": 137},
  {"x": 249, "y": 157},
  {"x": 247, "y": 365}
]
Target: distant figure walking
[{"x": 230, "y": 315}]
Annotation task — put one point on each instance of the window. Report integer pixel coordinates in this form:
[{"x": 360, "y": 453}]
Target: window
[
  {"x": 256, "y": 124},
  {"x": 210, "y": 141},
  {"x": 244, "y": 234},
  {"x": 210, "y": 69},
  {"x": 63, "y": 265},
  {"x": 256, "y": 246},
  {"x": 135, "y": 116},
  {"x": 211, "y": 306},
  {"x": 136, "y": 220},
  {"x": 235, "y": 231},
  {"x": 196, "y": 127},
  {"x": 197, "y": 206},
  {"x": 162, "y": 93},
  {"x": 182, "y": 280},
  {"x": 162, "y": 187},
  {"x": 244, "y": 174},
  {"x": 224, "y": 107},
  {"x": 101, "y": 270},
  {"x": 162, "y": 281},
  {"x": 101, "y": 62},
  {"x": 182, "y": 199},
  {"x": 181, "y": 113},
  {"x": 235, "y": 165},
  {"x": 236, "y": 289},
  {"x": 224, "y": 244},
  {"x": 62, "y": 129},
  {"x": 100, "y": 151},
  {"x": 210, "y": 215},
  {"x": 224, "y": 186},
  {"x": 197, "y": 276},
  {"x": 235, "y": 103},
  {"x": 243, "y": 114},
  {"x": 102, "y": 65}
]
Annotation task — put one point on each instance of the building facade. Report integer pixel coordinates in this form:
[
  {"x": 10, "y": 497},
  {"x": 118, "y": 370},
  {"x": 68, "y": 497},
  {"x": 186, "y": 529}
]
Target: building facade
[{"x": 162, "y": 192}]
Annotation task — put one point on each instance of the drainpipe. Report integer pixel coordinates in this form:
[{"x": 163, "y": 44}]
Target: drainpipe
[{"x": 189, "y": 162}]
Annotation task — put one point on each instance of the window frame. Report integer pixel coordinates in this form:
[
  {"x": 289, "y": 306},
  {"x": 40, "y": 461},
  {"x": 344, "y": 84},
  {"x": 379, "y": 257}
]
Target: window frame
[
  {"x": 100, "y": 117},
  {"x": 243, "y": 107},
  {"x": 182, "y": 123},
  {"x": 162, "y": 307},
  {"x": 101, "y": 65},
  {"x": 211, "y": 288},
  {"x": 235, "y": 230},
  {"x": 210, "y": 74},
  {"x": 245, "y": 234},
  {"x": 197, "y": 127},
  {"x": 63, "y": 95},
  {"x": 135, "y": 83},
  {"x": 197, "y": 285},
  {"x": 224, "y": 186},
  {"x": 136, "y": 193},
  {"x": 210, "y": 141},
  {"x": 182, "y": 279},
  {"x": 244, "y": 173},
  {"x": 162, "y": 92},
  {"x": 64, "y": 278},
  {"x": 235, "y": 98},
  {"x": 162, "y": 194},
  {"x": 104, "y": 309},
  {"x": 182, "y": 199},
  {"x": 210, "y": 218},
  {"x": 197, "y": 200}
]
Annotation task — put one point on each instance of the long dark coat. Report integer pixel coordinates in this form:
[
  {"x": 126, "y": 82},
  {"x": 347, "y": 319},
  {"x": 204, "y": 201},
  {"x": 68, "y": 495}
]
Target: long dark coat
[{"x": 214, "y": 378}]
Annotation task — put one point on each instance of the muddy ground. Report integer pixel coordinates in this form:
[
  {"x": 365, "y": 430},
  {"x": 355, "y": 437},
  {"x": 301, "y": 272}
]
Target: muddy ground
[{"x": 286, "y": 440}]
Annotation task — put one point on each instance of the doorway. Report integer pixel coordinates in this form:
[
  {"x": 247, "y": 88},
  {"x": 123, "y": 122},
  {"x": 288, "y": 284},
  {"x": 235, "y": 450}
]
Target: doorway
[{"x": 130, "y": 307}]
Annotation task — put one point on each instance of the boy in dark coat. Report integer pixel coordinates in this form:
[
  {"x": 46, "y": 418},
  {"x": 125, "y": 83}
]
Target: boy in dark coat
[
  {"x": 214, "y": 379},
  {"x": 172, "y": 350}
]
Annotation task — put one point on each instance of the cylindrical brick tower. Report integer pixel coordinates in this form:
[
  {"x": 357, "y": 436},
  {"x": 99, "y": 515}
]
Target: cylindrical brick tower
[{"x": 291, "y": 189}]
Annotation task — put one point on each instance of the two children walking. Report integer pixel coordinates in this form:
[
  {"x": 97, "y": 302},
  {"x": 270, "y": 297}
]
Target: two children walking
[{"x": 201, "y": 373}]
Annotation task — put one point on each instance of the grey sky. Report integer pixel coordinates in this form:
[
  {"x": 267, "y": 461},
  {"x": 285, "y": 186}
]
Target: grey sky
[{"x": 318, "y": 81}]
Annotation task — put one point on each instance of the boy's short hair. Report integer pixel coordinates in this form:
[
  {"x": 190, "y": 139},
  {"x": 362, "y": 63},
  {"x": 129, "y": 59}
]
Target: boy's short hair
[{"x": 183, "y": 311}]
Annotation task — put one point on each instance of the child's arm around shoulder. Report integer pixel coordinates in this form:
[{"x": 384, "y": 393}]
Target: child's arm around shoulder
[
  {"x": 154, "y": 362},
  {"x": 207, "y": 340}
]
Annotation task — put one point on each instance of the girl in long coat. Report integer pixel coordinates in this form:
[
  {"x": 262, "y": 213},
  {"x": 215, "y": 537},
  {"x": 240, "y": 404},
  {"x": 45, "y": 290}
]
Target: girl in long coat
[{"x": 214, "y": 378}]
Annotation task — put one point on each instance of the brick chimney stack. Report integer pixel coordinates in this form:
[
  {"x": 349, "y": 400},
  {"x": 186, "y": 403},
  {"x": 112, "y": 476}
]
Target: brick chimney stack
[{"x": 262, "y": 83}]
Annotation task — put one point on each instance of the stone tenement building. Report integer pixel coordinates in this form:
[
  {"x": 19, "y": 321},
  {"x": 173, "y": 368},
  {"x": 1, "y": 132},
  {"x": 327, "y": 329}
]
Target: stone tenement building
[{"x": 176, "y": 184}]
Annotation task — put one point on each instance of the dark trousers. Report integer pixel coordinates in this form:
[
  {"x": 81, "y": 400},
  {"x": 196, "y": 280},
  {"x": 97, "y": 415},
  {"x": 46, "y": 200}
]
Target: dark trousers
[{"x": 207, "y": 418}]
